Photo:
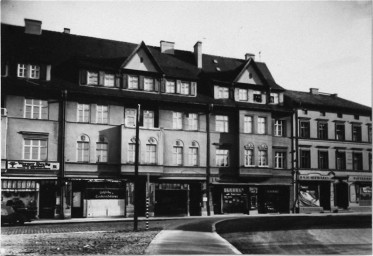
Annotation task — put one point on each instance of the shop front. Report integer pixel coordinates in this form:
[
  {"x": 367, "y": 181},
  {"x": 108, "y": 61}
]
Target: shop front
[
  {"x": 231, "y": 198},
  {"x": 273, "y": 199},
  {"x": 360, "y": 192}
]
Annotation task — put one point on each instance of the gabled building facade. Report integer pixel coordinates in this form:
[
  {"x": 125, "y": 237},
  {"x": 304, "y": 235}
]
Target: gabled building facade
[{"x": 216, "y": 134}]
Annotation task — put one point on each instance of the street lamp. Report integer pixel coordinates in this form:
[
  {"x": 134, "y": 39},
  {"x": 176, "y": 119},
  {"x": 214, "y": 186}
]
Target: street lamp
[{"x": 135, "y": 214}]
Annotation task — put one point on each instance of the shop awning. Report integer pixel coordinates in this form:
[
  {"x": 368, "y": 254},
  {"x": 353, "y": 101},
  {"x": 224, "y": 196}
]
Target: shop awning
[{"x": 19, "y": 185}]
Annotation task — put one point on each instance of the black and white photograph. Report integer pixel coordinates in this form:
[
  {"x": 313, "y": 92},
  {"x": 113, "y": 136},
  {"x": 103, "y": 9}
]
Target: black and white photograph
[{"x": 186, "y": 127}]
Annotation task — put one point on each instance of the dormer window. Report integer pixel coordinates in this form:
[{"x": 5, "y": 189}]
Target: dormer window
[
  {"x": 92, "y": 77},
  {"x": 184, "y": 88},
  {"x": 273, "y": 98},
  {"x": 148, "y": 84},
  {"x": 28, "y": 71},
  {"x": 109, "y": 80},
  {"x": 133, "y": 82},
  {"x": 242, "y": 95},
  {"x": 34, "y": 72},
  {"x": 258, "y": 97},
  {"x": 170, "y": 86},
  {"x": 21, "y": 72},
  {"x": 221, "y": 92}
]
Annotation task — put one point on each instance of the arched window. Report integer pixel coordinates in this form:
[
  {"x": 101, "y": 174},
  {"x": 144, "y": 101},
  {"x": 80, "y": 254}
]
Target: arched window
[
  {"x": 132, "y": 150},
  {"x": 151, "y": 151},
  {"x": 178, "y": 152},
  {"x": 83, "y": 149},
  {"x": 102, "y": 149},
  {"x": 194, "y": 153},
  {"x": 263, "y": 155}
]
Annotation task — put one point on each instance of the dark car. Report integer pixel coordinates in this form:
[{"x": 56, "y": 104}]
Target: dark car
[{"x": 12, "y": 217}]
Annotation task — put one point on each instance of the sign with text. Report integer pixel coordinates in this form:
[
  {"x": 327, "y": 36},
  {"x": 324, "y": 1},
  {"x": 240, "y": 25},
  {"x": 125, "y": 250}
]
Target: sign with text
[
  {"x": 315, "y": 177},
  {"x": 360, "y": 178},
  {"x": 33, "y": 165},
  {"x": 105, "y": 194}
]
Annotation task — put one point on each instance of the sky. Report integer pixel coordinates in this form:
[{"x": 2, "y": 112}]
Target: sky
[{"x": 305, "y": 44}]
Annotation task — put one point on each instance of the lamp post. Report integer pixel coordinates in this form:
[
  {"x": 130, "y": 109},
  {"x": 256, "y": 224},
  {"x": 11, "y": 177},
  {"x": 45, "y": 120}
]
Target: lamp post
[{"x": 135, "y": 214}]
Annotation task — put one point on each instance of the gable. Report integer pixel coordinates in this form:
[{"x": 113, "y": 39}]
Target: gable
[
  {"x": 140, "y": 61},
  {"x": 249, "y": 76}
]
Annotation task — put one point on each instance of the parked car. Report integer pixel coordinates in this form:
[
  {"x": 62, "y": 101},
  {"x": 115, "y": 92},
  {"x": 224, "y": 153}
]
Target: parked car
[{"x": 12, "y": 217}]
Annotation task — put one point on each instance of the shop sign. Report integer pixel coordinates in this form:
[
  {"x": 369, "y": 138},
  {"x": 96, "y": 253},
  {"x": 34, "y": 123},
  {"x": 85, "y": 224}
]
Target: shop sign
[
  {"x": 314, "y": 176},
  {"x": 233, "y": 190},
  {"x": 171, "y": 186},
  {"x": 33, "y": 165},
  {"x": 105, "y": 194},
  {"x": 273, "y": 191},
  {"x": 360, "y": 178}
]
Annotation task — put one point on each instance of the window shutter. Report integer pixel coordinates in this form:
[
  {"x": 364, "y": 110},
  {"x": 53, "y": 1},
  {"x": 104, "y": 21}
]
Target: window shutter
[
  {"x": 43, "y": 72},
  {"x": 236, "y": 94},
  {"x": 117, "y": 81},
  {"x": 141, "y": 82},
  {"x": 178, "y": 86},
  {"x": 101, "y": 78},
  {"x": 124, "y": 81},
  {"x": 156, "y": 85},
  {"x": 156, "y": 118},
  {"x": 193, "y": 88},
  {"x": 163, "y": 85},
  {"x": 83, "y": 76}
]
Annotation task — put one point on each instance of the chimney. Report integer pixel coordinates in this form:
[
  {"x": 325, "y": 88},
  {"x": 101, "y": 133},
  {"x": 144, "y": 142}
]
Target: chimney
[
  {"x": 167, "y": 47},
  {"x": 33, "y": 27},
  {"x": 66, "y": 30},
  {"x": 198, "y": 54},
  {"x": 314, "y": 91},
  {"x": 249, "y": 55}
]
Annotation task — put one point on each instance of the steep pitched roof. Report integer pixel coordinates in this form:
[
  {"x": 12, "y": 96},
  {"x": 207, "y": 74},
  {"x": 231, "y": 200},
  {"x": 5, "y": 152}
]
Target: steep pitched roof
[{"x": 321, "y": 101}]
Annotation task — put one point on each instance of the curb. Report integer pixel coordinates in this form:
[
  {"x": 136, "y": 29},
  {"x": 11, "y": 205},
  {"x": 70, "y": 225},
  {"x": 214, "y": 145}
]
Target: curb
[{"x": 228, "y": 244}]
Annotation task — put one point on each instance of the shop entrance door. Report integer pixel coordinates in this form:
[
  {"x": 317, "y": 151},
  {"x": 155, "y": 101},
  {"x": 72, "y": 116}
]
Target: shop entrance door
[
  {"x": 325, "y": 195},
  {"x": 47, "y": 201},
  {"x": 341, "y": 195},
  {"x": 77, "y": 208},
  {"x": 195, "y": 199}
]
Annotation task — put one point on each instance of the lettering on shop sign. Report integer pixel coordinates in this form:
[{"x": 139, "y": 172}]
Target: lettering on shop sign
[
  {"x": 105, "y": 194},
  {"x": 233, "y": 190},
  {"x": 360, "y": 178},
  {"x": 33, "y": 165},
  {"x": 273, "y": 191},
  {"x": 314, "y": 177}
]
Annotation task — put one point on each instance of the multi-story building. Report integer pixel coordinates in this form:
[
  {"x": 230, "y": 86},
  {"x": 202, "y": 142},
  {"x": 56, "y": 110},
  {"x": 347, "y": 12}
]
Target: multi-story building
[
  {"x": 215, "y": 133},
  {"x": 334, "y": 152}
]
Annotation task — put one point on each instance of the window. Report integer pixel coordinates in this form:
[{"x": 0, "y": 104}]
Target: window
[
  {"x": 356, "y": 117},
  {"x": 339, "y": 115},
  {"x": 170, "y": 86},
  {"x": 274, "y": 98},
  {"x": 36, "y": 109},
  {"x": 221, "y": 123},
  {"x": 28, "y": 71},
  {"x": 263, "y": 159},
  {"x": 340, "y": 160},
  {"x": 130, "y": 117},
  {"x": 34, "y": 72},
  {"x": 178, "y": 153},
  {"x": 279, "y": 127},
  {"x": 257, "y": 96},
  {"x": 83, "y": 149},
  {"x": 184, "y": 88},
  {"x": 305, "y": 111},
  {"x": 356, "y": 132},
  {"x": 35, "y": 149},
  {"x": 322, "y": 130},
  {"x": 133, "y": 82},
  {"x": 92, "y": 78},
  {"x": 109, "y": 80},
  {"x": 357, "y": 159},
  {"x": 280, "y": 160},
  {"x": 249, "y": 157},
  {"x": 131, "y": 152},
  {"x": 339, "y": 131},
  {"x": 242, "y": 95},
  {"x": 192, "y": 121},
  {"x": 304, "y": 129},
  {"x": 221, "y": 92},
  {"x": 305, "y": 159},
  {"x": 323, "y": 160},
  {"x": 151, "y": 150},
  {"x": 193, "y": 154},
  {"x": 83, "y": 113},
  {"x": 102, "y": 114},
  {"x": 370, "y": 161},
  {"x": 248, "y": 124},
  {"x": 148, "y": 119},
  {"x": 261, "y": 125},
  {"x": 22, "y": 70},
  {"x": 101, "y": 152},
  {"x": 322, "y": 113},
  {"x": 222, "y": 157},
  {"x": 369, "y": 133},
  {"x": 177, "y": 120},
  {"x": 148, "y": 84}
]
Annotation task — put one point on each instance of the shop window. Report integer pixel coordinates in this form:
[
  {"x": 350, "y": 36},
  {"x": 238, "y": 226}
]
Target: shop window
[
  {"x": 177, "y": 120},
  {"x": 305, "y": 159},
  {"x": 102, "y": 114},
  {"x": 249, "y": 157},
  {"x": 242, "y": 95},
  {"x": 357, "y": 159},
  {"x": 35, "y": 149},
  {"x": 192, "y": 121},
  {"x": 356, "y": 132},
  {"x": 304, "y": 129},
  {"x": 280, "y": 128},
  {"x": 263, "y": 158},
  {"x": 151, "y": 151},
  {"x": 221, "y": 123},
  {"x": 280, "y": 160},
  {"x": 170, "y": 86},
  {"x": 323, "y": 160},
  {"x": 83, "y": 113},
  {"x": 130, "y": 117},
  {"x": 36, "y": 109},
  {"x": 133, "y": 82},
  {"x": 193, "y": 154},
  {"x": 322, "y": 130},
  {"x": 248, "y": 124},
  {"x": 339, "y": 131},
  {"x": 102, "y": 150},
  {"x": 261, "y": 125},
  {"x": 148, "y": 84},
  {"x": 178, "y": 152},
  {"x": 83, "y": 149},
  {"x": 340, "y": 160},
  {"x": 222, "y": 157}
]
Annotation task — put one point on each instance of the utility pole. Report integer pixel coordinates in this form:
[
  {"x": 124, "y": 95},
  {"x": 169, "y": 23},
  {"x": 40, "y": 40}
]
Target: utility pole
[
  {"x": 61, "y": 145},
  {"x": 209, "y": 109},
  {"x": 135, "y": 192}
]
